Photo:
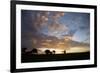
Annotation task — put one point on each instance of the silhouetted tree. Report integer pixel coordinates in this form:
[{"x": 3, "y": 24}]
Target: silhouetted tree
[
  {"x": 48, "y": 52},
  {"x": 64, "y": 51},
  {"x": 35, "y": 51},
  {"x": 23, "y": 50},
  {"x": 53, "y": 51}
]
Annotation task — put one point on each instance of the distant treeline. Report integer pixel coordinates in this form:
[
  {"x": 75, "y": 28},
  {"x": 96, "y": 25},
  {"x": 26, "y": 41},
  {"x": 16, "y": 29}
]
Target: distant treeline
[
  {"x": 33, "y": 56},
  {"x": 35, "y": 51}
]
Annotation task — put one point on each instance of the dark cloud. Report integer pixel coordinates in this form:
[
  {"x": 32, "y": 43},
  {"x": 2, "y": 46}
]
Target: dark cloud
[{"x": 44, "y": 29}]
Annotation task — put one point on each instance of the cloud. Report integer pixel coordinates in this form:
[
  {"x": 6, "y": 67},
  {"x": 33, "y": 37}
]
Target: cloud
[
  {"x": 57, "y": 15},
  {"x": 49, "y": 21},
  {"x": 41, "y": 20},
  {"x": 48, "y": 40},
  {"x": 56, "y": 29}
]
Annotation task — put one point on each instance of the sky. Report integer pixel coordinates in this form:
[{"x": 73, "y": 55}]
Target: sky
[{"x": 50, "y": 29}]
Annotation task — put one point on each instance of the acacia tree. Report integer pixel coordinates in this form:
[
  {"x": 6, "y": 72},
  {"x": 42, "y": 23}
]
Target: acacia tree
[
  {"x": 47, "y": 52},
  {"x": 53, "y": 51},
  {"x": 35, "y": 51},
  {"x": 23, "y": 50}
]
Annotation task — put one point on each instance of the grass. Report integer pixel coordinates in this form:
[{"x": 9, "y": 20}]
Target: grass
[{"x": 54, "y": 57}]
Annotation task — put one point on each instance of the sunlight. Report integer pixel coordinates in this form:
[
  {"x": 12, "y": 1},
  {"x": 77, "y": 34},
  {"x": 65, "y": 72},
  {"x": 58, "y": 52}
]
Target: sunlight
[{"x": 61, "y": 50}]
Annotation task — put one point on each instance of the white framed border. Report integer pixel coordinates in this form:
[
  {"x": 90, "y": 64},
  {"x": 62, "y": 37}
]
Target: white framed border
[{"x": 20, "y": 65}]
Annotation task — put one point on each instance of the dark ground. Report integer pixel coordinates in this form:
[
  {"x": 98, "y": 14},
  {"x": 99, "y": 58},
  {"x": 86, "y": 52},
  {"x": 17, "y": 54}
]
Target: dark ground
[{"x": 54, "y": 57}]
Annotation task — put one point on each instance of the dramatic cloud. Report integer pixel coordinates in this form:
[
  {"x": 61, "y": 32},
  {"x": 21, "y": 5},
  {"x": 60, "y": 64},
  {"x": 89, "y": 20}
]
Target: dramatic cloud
[
  {"x": 54, "y": 30},
  {"x": 57, "y": 15},
  {"x": 57, "y": 29},
  {"x": 49, "y": 20},
  {"x": 41, "y": 20}
]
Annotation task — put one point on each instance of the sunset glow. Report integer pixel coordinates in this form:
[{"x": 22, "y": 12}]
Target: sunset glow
[
  {"x": 59, "y": 31},
  {"x": 61, "y": 50}
]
